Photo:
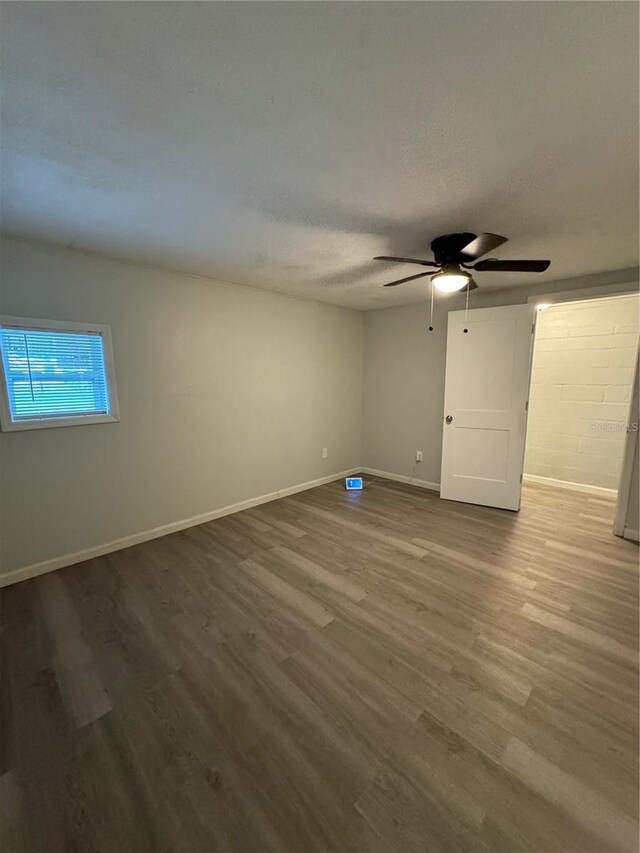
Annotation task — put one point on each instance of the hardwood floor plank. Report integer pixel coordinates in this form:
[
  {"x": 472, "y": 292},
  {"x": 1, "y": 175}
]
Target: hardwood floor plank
[
  {"x": 586, "y": 807},
  {"x": 402, "y": 814},
  {"x": 287, "y": 593},
  {"x": 580, "y": 634},
  {"x": 81, "y": 689},
  {"x": 317, "y": 573}
]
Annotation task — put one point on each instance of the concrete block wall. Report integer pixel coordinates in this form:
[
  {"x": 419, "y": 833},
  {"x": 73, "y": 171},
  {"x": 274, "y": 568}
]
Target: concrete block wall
[{"x": 583, "y": 368}]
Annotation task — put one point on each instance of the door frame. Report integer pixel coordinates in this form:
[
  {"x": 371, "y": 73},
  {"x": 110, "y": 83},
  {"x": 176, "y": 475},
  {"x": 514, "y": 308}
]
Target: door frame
[
  {"x": 589, "y": 294},
  {"x": 630, "y": 448}
]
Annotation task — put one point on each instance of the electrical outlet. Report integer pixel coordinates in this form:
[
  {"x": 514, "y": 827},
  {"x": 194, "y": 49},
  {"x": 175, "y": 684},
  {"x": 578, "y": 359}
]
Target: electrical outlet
[
  {"x": 325, "y": 452},
  {"x": 418, "y": 456}
]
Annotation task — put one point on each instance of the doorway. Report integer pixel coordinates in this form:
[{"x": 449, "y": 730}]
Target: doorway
[
  {"x": 569, "y": 420},
  {"x": 582, "y": 377}
]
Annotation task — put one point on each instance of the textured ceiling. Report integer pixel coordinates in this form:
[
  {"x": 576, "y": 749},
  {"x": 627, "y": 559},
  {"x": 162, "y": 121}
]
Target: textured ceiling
[{"x": 282, "y": 145}]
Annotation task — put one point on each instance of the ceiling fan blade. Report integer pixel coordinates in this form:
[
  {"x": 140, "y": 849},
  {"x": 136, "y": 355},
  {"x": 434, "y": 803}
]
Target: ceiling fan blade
[
  {"x": 409, "y": 278},
  {"x": 407, "y": 261},
  {"x": 492, "y": 265},
  {"x": 472, "y": 286},
  {"x": 481, "y": 245}
]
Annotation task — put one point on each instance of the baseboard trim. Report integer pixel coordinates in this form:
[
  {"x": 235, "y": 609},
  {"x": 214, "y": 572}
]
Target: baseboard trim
[
  {"x": 574, "y": 487},
  {"x": 401, "y": 478},
  {"x": 633, "y": 535},
  {"x": 52, "y": 565}
]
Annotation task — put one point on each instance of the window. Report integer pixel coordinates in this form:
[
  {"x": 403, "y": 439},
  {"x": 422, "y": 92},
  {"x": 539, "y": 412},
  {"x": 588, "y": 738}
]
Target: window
[{"x": 55, "y": 374}]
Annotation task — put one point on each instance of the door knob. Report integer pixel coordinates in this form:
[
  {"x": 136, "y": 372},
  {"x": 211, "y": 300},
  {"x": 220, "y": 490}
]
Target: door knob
[{"x": 449, "y": 418}]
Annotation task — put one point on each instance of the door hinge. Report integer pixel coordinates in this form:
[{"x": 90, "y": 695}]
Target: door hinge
[
  {"x": 526, "y": 406},
  {"x": 533, "y": 328},
  {"x": 521, "y": 477}
]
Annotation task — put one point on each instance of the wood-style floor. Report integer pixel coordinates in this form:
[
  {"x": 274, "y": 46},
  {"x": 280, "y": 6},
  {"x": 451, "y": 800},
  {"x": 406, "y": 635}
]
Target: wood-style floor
[{"x": 334, "y": 671}]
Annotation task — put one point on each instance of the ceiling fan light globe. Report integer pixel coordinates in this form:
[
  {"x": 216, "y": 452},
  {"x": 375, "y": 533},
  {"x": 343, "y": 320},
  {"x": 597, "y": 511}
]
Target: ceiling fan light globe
[{"x": 449, "y": 282}]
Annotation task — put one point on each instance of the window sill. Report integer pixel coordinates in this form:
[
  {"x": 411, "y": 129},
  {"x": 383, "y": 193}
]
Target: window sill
[{"x": 51, "y": 423}]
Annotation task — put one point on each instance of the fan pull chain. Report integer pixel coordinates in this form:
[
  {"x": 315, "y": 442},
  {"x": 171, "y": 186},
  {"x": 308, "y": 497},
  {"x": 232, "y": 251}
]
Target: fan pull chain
[
  {"x": 466, "y": 308},
  {"x": 431, "y": 314}
]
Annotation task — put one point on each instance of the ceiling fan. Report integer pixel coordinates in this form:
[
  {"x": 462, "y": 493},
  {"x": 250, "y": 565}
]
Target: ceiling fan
[{"x": 455, "y": 253}]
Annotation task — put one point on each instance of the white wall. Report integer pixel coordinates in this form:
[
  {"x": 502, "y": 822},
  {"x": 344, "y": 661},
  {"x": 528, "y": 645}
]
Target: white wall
[
  {"x": 226, "y": 393},
  {"x": 404, "y": 391},
  {"x": 404, "y": 368},
  {"x": 583, "y": 365}
]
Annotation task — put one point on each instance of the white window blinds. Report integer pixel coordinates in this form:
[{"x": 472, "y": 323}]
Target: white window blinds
[{"x": 54, "y": 374}]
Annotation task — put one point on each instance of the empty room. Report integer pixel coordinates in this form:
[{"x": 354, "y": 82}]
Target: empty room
[{"x": 319, "y": 500}]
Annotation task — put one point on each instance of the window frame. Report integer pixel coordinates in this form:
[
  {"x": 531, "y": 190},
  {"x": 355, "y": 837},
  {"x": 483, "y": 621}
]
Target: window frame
[{"x": 7, "y": 424}]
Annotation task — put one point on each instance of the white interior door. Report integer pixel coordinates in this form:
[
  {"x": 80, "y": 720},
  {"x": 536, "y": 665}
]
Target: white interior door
[{"x": 485, "y": 405}]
